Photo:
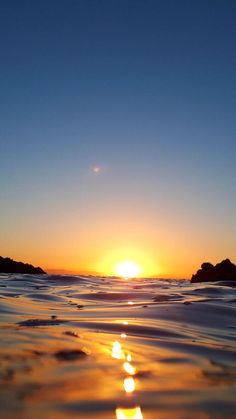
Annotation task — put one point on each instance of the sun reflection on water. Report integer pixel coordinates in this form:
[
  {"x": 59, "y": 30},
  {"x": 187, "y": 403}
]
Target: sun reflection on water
[
  {"x": 130, "y": 413},
  {"x": 129, "y": 383},
  {"x": 129, "y": 368},
  {"x": 117, "y": 350}
]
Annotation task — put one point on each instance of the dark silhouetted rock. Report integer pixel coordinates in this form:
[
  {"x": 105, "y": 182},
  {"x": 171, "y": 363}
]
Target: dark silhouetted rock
[
  {"x": 41, "y": 322},
  {"x": 70, "y": 355},
  {"x": 8, "y": 265},
  {"x": 223, "y": 271}
]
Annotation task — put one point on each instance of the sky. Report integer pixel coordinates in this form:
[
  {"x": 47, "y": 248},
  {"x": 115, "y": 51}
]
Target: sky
[{"x": 117, "y": 134}]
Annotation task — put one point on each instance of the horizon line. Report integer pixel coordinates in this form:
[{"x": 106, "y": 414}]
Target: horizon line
[{"x": 100, "y": 274}]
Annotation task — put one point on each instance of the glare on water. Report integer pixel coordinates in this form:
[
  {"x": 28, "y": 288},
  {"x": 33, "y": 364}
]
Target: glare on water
[
  {"x": 116, "y": 350},
  {"x": 129, "y": 368},
  {"x": 147, "y": 374},
  {"x": 129, "y": 384},
  {"x": 131, "y": 413}
]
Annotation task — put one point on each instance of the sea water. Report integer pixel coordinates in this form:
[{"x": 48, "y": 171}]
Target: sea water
[{"x": 96, "y": 347}]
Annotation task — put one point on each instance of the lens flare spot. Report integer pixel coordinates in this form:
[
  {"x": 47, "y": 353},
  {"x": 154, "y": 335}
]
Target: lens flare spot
[{"x": 96, "y": 169}]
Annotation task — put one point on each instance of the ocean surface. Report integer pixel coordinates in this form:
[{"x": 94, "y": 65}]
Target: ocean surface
[{"x": 92, "y": 347}]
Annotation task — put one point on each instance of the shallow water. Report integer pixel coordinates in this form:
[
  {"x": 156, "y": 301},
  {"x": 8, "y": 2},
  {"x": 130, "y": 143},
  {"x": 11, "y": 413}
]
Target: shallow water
[{"x": 86, "y": 347}]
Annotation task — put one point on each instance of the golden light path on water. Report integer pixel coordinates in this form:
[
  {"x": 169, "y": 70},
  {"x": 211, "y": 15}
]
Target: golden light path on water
[
  {"x": 129, "y": 384},
  {"x": 129, "y": 368},
  {"x": 131, "y": 413},
  {"x": 116, "y": 350},
  {"x": 128, "y": 411}
]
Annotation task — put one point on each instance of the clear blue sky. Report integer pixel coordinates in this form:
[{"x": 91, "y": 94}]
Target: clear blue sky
[{"x": 146, "y": 90}]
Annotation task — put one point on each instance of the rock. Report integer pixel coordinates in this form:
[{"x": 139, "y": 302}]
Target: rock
[
  {"x": 161, "y": 298},
  {"x": 41, "y": 322},
  {"x": 223, "y": 271},
  {"x": 8, "y": 265},
  {"x": 70, "y": 333},
  {"x": 70, "y": 355}
]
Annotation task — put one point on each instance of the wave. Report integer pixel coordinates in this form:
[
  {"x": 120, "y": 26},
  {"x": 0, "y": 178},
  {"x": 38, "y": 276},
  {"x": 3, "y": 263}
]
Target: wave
[{"x": 181, "y": 338}]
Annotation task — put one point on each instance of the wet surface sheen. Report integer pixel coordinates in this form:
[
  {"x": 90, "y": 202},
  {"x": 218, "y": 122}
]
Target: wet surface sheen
[{"x": 86, "y": 347}]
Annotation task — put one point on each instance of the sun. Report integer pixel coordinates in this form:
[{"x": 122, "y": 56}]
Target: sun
[{"x": 127, "y": 269}]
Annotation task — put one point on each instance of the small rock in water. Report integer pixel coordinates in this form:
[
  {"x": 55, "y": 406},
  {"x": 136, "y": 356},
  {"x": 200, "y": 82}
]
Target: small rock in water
[
  {"x": 70, "y": 355},
  {"x": 41, "y": 322},
  {"x": 70, "y": 333},
  {"x": 160, "y": 298},
  {"x": 80, "y": 307}
]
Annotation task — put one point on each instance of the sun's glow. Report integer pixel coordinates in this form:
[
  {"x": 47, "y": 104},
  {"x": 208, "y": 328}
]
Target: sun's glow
[
  {"x": 128, "y": 269},
  {"x": 128, "y": 262}
]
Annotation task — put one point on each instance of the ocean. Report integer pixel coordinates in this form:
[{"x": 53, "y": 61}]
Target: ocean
[{"x": 97, "y": 347}]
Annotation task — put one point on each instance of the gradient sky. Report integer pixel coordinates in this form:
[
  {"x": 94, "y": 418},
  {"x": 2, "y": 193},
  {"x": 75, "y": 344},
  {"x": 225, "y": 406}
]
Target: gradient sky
[{"x": 144, "y": 90}]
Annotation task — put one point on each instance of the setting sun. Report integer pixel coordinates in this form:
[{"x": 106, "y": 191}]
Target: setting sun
[
  {"x": 127, "y": 261},
  {"x": 128, "y": 269}
]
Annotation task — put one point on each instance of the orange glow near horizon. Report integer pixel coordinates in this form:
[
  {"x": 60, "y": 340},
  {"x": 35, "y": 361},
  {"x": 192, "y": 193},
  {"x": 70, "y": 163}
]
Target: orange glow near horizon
[
  {"x": 97, "y": 238},
  {"x": 128, "y": 263},
  {"x": 99, "y": 256}
]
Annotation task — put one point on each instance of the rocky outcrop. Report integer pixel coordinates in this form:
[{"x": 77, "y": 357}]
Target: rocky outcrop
[
  {"x": 223, "y": 271},
  {"x": 8, "y": 265}
]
